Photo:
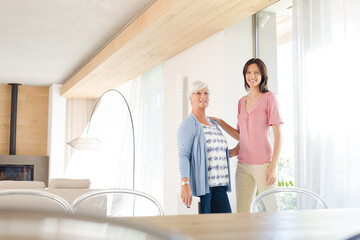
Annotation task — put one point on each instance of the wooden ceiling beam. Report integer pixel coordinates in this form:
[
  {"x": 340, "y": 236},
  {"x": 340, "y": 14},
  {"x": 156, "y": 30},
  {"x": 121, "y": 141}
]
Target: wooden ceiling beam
[{"x": 165, "y": 29}]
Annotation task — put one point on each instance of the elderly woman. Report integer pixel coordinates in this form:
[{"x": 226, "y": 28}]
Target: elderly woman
[{"x": 203, "y": 156}]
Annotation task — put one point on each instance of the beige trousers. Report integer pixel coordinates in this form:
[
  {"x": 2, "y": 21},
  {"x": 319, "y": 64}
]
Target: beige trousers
[{"x": 248, "y": 178}]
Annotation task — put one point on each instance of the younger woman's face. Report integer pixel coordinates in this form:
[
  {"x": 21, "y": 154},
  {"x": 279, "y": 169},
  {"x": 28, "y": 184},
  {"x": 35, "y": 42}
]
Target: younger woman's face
[{"x": 253, "y": 75}]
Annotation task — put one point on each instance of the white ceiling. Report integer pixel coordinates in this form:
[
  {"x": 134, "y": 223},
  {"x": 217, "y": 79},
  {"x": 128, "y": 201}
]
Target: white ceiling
[
  {"x": 45, "y": 41},
  {"x": 280, "y": 7}
]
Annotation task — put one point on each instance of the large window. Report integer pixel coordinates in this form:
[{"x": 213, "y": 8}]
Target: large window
[
  {"x": 285, "y": 92},
  {"x": 111, "y": 166},
  {"x": 317, "y": 85},
  {"x": 275, "y": 47}
]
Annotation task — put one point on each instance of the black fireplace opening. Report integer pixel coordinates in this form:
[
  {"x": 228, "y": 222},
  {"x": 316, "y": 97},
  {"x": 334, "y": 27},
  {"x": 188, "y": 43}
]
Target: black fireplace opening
[{"x": 16, "y": 172}]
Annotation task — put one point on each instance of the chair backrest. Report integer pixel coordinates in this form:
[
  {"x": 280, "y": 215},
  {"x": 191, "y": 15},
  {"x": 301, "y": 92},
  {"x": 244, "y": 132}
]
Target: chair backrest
[
  {"x": 68, "y": 183},
  {"x": 284, "y": 199},
  {"x": 34, "y": 200},
  {"x": 117, "y": 203},
  {"x": 11, "y": 184},
  {"x": 185, "y": 210}
]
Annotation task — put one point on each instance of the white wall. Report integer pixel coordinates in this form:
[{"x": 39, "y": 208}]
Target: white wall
[
  {"x": 267, "y": 41},
  {"x": 56, "y": 132},
  {"x": 237, "y": 50},
  {"x": 218, "y": 60}
]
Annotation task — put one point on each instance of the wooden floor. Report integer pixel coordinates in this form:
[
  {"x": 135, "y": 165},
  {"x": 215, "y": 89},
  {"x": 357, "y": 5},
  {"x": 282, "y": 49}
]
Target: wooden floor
[{"x": 311, "y": 224}]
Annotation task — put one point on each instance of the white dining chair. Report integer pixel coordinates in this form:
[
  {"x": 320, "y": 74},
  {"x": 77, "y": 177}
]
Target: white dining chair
[
  {"x": 117, "y": 203},
  {"x": 33, "y": 200},
  {"x": 284, "y": 199}
]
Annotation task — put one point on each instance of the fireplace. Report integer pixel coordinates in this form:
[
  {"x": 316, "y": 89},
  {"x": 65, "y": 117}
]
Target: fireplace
[
  {"x": 21, "y": 167},
  {"x": 24, "y": 168},
  {"x": 17, "y": 172}
]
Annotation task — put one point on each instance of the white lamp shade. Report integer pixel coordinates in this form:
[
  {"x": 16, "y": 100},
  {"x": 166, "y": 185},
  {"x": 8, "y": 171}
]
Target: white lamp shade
[{"x": 85, "y": 143}]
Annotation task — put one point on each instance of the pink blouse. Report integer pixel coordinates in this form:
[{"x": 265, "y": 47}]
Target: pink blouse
[{"x": 255, "y": 147}]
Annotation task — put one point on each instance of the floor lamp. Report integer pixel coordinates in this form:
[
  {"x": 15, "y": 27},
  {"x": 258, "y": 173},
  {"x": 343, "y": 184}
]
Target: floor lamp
[{"x": 86, "y": 143}]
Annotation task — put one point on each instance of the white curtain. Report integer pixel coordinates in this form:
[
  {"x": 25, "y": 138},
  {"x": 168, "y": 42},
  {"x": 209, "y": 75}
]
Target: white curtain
[
  {"x": 112, "y": 165},
  {"x": 78, "y": 112},
  {"x": 326, "y": 89}
]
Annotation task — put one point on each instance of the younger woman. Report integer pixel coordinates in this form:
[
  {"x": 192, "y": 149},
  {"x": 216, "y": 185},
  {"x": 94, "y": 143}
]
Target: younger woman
[{"x": 257, "y": 159}]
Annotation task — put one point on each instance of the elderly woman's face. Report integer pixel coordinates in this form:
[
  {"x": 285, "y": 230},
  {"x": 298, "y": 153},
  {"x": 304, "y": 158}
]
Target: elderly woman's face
[{"x": 200, "y": 98}]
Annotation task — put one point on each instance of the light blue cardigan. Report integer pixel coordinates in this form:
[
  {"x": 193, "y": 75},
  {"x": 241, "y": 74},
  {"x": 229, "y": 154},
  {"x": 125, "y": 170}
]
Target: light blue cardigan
[{"x": 192, "y": 155}]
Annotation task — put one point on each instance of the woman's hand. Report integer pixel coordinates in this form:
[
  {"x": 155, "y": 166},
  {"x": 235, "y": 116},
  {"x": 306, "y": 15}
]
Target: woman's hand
[
  {"x": 215, "y": 119},
  {"x": 271, "y": 175},
  {"x": 230, "y": 130},
  {"x": 235, "y": 151},
  {"x": 186, "y": 194}
]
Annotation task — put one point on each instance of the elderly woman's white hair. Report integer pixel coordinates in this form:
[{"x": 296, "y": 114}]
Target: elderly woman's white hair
[{"x": 196, "y": 86}]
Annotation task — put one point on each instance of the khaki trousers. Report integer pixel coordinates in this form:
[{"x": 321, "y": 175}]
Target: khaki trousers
[{"x": 248, "y": 178}]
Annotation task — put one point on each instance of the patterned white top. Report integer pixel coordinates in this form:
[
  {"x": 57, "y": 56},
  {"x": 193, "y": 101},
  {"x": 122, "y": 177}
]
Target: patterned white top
[{"x": 216, "y": 146}]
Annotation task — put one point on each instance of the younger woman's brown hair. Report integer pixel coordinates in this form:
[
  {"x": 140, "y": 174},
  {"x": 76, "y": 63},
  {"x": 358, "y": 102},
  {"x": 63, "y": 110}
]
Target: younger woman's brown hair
[{"x": 264, "y": 74}]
